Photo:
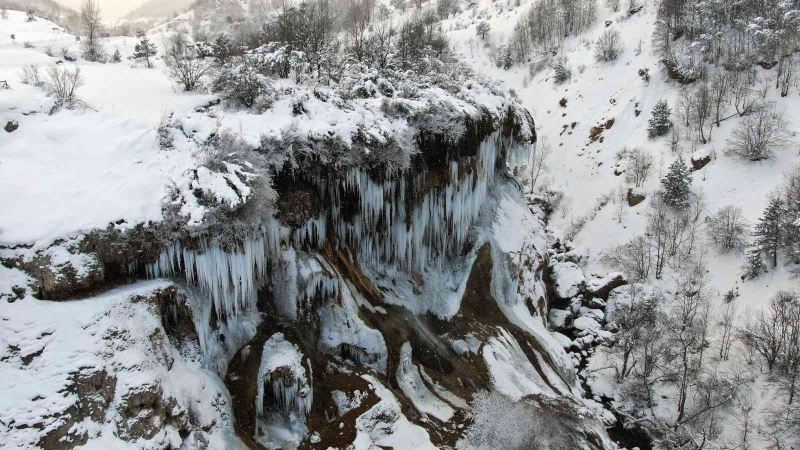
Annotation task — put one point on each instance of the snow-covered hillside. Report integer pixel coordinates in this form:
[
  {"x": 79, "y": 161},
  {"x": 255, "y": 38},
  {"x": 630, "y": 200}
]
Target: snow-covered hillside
[{"x": 590, "y": 124}]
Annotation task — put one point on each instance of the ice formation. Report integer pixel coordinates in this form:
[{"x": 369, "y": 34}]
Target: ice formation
[
  {"x": 230, "y": 278},
  {"x": 389, "y": 229},
  {"x": 283, "y": 371}
]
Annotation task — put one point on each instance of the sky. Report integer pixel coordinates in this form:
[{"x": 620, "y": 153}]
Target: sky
[{"x": 111, "y": 9}]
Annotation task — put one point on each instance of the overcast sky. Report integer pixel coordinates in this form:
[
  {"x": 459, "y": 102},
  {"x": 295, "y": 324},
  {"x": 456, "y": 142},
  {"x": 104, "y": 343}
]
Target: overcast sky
[{"x": 112, "y": 9}]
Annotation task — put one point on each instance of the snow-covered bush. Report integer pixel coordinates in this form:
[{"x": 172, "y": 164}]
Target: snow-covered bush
[
  {"x": 183, "y": 63},
  {"x": 62, "y": 85},
  {"x": 30, "y": 75},
  {"x": 727, "y": 228},
  {"x": 144, "y": 49},
  {"x": 561, "y": 72},
  {"x": 240, "y": 83},
  {"x": 758, "y": 135},
  {"x": 608, "y": 46},
  {"x": 501, "y": 423}
]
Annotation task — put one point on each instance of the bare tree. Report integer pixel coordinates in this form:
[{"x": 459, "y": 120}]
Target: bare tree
[
  {"x": 720, "y": 93},
  {"x": 702, "y": 106},
  {"x": 758, "y": 135},
  {"x": 743, "y": 99},
  {"x": 634, "y": 319},
  {"x": 768, "y": 333},
  {"x": 183, "y": 63},
  {"x": 728, "y": 229},
  {"x": 726, "y": 323},
  {"x": 634, "y": 258},
  {"x": 688, "y": 327},
  {"x": 91, "y": 21},
  {"x": 537, "y": 159},
  {"x": 639, "y": 168}
]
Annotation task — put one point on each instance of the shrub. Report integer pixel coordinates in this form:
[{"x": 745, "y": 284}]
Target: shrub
[
  {"x": 758, "y": 135},
  {"x": 727, "y": 228},
  {"x": 63, "y": 84},
  {"x": 608, "y": 46}
]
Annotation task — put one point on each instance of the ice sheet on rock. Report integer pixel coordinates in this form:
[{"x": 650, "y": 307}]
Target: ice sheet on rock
[
  {"x": 343, "y": 333},
  {"x": 411, "y": 383},
  {"x": 512, "y": 373},
  {"x": 385, "y": 425}
]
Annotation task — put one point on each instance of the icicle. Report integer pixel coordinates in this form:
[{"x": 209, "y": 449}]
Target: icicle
[
  {"x": 289, "y": 380},
  {"x": 230, "y": 278}
]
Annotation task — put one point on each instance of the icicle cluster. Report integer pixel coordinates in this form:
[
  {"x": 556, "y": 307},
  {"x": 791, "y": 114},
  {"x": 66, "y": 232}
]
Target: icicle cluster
[
  {"x": 388, "y": 229},
  {"x": 438, "y": 224},
  {"x": 231, "y": 279},
  {"x": 289, "y": 380}
]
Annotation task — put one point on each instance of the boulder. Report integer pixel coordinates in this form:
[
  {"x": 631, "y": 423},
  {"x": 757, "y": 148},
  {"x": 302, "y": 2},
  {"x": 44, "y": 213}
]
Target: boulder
[
  {"x": 568, "y": 279},
  {"x": 11, "y": 126}
]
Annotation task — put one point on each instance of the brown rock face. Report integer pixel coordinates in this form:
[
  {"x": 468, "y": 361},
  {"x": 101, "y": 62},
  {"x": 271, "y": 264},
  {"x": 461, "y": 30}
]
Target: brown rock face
[{"x": 94, "y": 389}]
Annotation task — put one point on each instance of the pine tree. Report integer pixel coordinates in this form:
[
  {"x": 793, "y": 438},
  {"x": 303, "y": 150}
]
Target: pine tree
[
  {"x": 561, "y": 71},
  {"x": 675, "y": 185},
  {"x": 222, "y": 49},
  {"x": 769, "y": 230},
  {"x": 482, "y": 29},
  {"x": 144, "y": 49},
  {"x": 117, "y": 57},
  {"x": 791, "y": 235},
  {"x": 659, "y": 124},
  {"x": 754, "y": 266}
]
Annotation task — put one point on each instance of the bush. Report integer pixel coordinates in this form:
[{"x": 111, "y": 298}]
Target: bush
[
  {"x": 608, "y": 46},
  {"x": 183, "y": 64},
  {"x": 758, "y": 135},
  {"x": 30, "y": 75},
  {"x": 561, "y": 71},
  {"x": 727, "y": 228},
  {"x": 243, "y": 85},
  {"x": 63, "y": 84}
]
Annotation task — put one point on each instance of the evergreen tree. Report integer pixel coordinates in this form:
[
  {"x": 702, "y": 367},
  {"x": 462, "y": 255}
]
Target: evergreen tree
[
  {"x": 222, "y": 49},
  {"x": 561, "y": 71},
  {"x": 769, "y": 230},
  {"x": 482, "y": 29},
  {"x": 675, "y": 185},
  {"x": 659, "y": 124},
  {"x": 117, "y": 57},
  {"x": 30, "y": 16},
  {"x": 144, "y": 49},
  {"x": 754, "y": 266},
  {"x": 792, "y": 222}
]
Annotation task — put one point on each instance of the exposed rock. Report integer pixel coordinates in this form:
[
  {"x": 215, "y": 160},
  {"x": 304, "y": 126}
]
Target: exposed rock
[
  {"x": 700, "y": 159},
  {"x": 94, "y": 390},
  {"x": 60, "y": 273},
  {"x": 11, "y": 126},
  {"x": 601, "y": 287},
  {"x": 635, "y": 197},
  {"x": 143, "y": 412}
]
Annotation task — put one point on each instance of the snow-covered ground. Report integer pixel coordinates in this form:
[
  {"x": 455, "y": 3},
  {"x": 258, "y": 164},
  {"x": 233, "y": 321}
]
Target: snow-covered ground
[{"x": 83, "y": 169}]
